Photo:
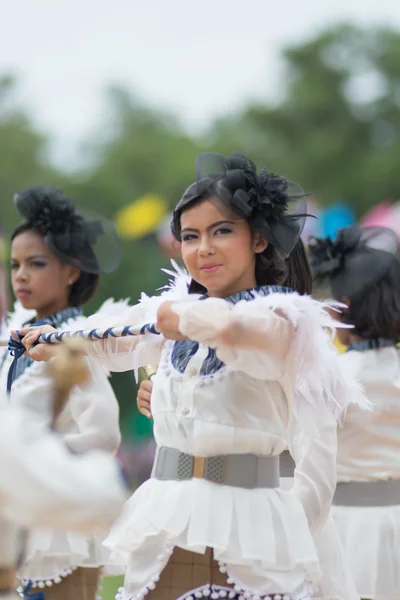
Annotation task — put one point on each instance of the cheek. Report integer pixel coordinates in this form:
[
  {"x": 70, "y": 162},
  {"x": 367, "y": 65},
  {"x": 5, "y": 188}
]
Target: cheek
[
  {"x": 13, "y": 279},
  {"x": 238, "y": 250},
  {"x": 49, "y": 281},
  {"x": 189, "y": 254}
]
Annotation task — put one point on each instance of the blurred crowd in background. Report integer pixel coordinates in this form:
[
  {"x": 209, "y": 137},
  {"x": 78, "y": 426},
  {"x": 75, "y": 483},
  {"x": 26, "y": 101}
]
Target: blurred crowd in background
[{"x": 335, "y": 130}]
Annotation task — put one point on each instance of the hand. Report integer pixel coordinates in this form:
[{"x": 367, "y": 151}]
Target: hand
[
  {"x": 143, "y": 399},
  {"x": 40, "y": 352},
  {"x": 168, "y": 322}
]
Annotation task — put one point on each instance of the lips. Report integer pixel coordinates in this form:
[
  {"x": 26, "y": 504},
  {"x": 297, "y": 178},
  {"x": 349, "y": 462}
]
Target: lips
[
  {"x": 22, "y": 293},
  {"x": 211, "y": 268}
]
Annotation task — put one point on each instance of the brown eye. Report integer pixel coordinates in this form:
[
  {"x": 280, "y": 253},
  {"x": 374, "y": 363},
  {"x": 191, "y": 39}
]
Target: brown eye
[{"x": 223, "y": 231}]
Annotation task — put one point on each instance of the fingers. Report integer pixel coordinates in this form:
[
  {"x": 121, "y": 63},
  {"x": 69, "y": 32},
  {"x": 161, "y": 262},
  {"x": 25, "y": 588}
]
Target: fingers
[
  {"x": 146, "y": 386},
  {"x": 14, "y": 335},
  {"x": 42, "y": 352},
  {"x": 39, "y": 328},
  {"x": 143, "y": 399},
  {"x": 30, "y": 338},
  {"x": 144, "y": 408},
  {"x": 26, "y": 330}
]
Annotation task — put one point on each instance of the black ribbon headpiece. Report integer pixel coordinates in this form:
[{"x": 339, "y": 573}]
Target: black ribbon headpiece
[
  {"x": 272, "y": 205},
  {"x": 84, "y": 239},
  {"x": 356, "y": 259}
]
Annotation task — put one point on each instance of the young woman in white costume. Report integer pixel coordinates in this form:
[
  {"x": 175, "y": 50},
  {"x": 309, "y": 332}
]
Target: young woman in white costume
[
  {"x": 337, "y": 581},
  {"x": 364, "y": 273},
  {"x": 246, "y": 369},
  {"x": 55, "y": 270}
]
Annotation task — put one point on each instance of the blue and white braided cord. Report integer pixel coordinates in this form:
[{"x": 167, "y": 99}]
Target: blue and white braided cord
[{"x": 57, "y": 337}]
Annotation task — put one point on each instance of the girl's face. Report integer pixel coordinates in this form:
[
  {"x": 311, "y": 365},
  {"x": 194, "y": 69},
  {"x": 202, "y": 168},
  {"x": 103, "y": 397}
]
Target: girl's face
[
  {"x": 40, "y": 280},
  {"x": 219, "y": 249}
]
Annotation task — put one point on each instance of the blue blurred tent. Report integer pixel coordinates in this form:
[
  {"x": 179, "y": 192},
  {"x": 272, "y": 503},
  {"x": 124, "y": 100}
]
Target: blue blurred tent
[{"x": 336, "y": 216}]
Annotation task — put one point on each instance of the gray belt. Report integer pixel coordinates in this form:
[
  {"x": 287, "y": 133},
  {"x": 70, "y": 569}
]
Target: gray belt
[
  {"x": 367, "y": 493},
  {"x": 286, "y": 464},
  {"x": 237, "y": 470}
]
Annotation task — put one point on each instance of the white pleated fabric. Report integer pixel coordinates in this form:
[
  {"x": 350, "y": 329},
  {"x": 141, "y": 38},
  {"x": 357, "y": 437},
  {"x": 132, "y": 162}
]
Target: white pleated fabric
[{"x": 369, "y": 450}]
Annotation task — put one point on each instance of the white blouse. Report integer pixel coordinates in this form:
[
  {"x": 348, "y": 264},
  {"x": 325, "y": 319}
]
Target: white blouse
[
  {"x": 89, "y": 420},
  {"x": 369, "y": 450},
  {"x": 369, "y": 442},
  {"x": 287, "y": 390}
]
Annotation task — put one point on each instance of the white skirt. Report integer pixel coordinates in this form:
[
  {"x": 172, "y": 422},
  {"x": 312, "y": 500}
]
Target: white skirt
[
  {"x": 52, "y": 555},
  {"x": 337, "y": 582},
  {"x": 272, "y": 554},
  {"x": 371, "y": 540}
]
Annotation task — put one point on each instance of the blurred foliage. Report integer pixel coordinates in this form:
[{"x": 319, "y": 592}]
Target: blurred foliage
[{"x": 335, "y": 130}]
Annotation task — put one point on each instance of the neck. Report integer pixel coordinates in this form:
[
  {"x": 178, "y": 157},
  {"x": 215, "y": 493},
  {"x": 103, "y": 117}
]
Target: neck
[
  {"x": 354, "y": 338},
  {"x": 234, "y": 289},
  {"x": 52, "y": 309}
]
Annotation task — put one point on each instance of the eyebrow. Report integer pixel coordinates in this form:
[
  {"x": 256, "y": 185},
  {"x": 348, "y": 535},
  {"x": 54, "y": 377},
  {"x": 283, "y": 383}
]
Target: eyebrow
[
  {"x": 31, "y": 257},
  {"x": 217, "y": 224}
]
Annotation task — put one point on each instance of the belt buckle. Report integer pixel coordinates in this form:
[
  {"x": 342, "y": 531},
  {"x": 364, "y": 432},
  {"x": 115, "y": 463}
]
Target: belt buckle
[
  {"x": 211, "y": 468},
  {"x": 199, "y": 467}
]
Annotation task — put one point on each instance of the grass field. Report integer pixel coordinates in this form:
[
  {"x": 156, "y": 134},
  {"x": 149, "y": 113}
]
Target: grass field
[{"x": 110, "y": 587}]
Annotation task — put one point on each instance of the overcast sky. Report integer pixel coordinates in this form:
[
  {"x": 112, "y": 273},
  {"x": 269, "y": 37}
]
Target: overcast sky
[{"x": 198, "y": 58}]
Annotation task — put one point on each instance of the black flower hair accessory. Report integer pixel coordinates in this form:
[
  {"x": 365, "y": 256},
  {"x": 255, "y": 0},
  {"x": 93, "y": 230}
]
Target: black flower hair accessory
[
  {"x": 91, "y": 244},
  {"x": 273, "y": 206},
  {"x": 357, "y": 258}
]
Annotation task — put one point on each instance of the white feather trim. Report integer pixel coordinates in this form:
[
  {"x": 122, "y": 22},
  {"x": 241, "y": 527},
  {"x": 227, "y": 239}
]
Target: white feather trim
[
  {"x": 317, "y": 371},
  {"x": 175, "y": 291},
  {"x": 17, "y": 318}
]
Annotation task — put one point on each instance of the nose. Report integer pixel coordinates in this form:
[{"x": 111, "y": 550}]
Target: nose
[
  {"x": 20, "y": 274},
  {"x": 206, "y": 247}
]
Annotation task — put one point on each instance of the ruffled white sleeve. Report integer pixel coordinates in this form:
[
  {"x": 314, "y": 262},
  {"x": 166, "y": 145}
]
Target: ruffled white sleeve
[
  {"x": 42, "y": 484},
  {"x": 277, "y": 337},
  {"x": 125, "y": 353},
  {"x": 261, "y": 338},
  {"x": 131, "y": 352},
  {"x": 314, "y": 452}
]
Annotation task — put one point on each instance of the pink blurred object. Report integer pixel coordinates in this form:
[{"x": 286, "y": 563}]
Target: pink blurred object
[
  {"x": 378, "y": 215},
  {"x": 385, "y": 214}
]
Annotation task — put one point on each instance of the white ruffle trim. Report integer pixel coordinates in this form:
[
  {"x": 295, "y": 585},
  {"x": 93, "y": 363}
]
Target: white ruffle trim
[
  {"x": 122, "y": 594},
  {"x": 246, "y": 594},
  {"x": 43, "y": 583},
  {"x": 216, "y": 591}
]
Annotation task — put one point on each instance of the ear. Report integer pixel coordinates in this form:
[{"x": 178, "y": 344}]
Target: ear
[
  {"x": 73, "y": 274},
  {"x": 259, "y": 244}
]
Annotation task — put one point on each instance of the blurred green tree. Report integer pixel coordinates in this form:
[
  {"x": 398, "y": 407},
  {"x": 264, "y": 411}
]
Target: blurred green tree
[
  {"x": 336, "y": 126},
  {"x": 23, "y": 152}
]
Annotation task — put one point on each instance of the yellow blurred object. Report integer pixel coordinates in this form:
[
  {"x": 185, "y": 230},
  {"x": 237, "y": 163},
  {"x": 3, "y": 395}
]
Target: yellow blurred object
[
  {"x": 339, "y": 346},
  {"x": 3, "y": 249},
  {"x": 142, "y": 217}
]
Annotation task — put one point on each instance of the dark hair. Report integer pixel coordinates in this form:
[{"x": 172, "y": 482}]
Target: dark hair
[
  {"x": 84, "y": 287},
  {"x": 271, "y": 268},
  {"x": 375, "y": 312}
]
